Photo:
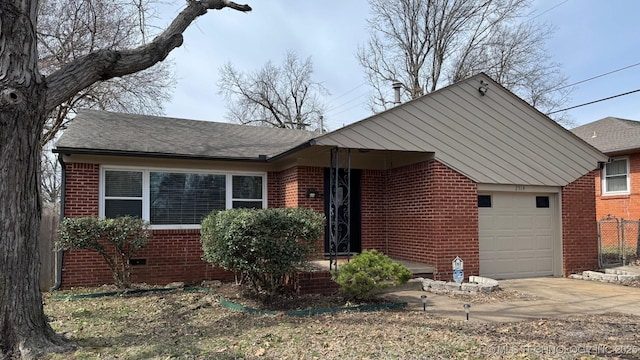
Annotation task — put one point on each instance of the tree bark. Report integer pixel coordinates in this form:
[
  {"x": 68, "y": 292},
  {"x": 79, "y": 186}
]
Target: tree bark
[
  {"x": 24, "y": 330},
  {"x": 25, "y": 100}
]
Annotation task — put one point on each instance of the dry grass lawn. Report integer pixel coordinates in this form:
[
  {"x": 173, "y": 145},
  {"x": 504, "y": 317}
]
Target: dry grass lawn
[{"x": 193, "y": 325}]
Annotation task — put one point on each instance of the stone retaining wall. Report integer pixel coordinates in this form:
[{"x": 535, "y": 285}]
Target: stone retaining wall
[
  {"x": 609, "y": 276},
  {"x": 476, "y": 284}
]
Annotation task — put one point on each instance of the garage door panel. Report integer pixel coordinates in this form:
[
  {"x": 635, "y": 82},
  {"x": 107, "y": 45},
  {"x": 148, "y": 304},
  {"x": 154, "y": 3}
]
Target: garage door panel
[
  {"x": 522, "y": 222},
  {"x": 516, "y": 238}
]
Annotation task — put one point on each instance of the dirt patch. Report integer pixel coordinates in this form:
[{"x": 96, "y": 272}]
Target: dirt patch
[
  {"x": 246, "y": 296},
  {"x": 499, "y": 295}
]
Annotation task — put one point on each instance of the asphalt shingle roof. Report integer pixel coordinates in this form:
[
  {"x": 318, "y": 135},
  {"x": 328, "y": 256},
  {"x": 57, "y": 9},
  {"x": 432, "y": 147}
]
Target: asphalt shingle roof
[
  {"x": 108, "y": 132},
  {"x": 611, "y": 134}
]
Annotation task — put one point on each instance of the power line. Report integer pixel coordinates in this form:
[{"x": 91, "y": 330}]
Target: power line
[
  {"x": 346, "y": 93},
  {"x": 333, "y": 108},
  {"x": 595, "y": 101},
  {"x": 549, "y": 9},
  {"x": 596, "y": 77}
]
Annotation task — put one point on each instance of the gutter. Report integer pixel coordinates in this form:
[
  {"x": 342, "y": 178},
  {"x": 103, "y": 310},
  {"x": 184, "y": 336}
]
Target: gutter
[
  {"x": 60, "y": 253},
  {"x": 302, "y": 146},
  {"x": 84, "y": 151}
]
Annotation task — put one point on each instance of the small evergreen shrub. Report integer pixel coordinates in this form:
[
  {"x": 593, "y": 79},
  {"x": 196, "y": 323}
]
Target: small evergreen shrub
[
  {"x": 369, "y": 271},
  {"x": 263, "y": 245},
  {"x": 116, "y": 240}
]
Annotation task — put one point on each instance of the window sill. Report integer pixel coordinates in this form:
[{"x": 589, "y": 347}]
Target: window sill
[{"x": 614, "y": 196}]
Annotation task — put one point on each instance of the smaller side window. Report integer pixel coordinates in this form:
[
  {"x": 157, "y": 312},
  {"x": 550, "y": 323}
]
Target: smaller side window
[
  {"x": 542, "y": 202},
  {"x": 247, "y": 192},
  {"x": 484, "y": 201},
  {"x": 122, "y": 193}
]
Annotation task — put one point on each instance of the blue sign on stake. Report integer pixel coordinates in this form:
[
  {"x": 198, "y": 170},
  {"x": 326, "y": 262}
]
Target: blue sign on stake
[{"x": 458, "y": 276}]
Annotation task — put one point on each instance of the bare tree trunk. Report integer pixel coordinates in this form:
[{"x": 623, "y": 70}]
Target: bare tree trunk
[
  {"x": 25, "y": 100},
  {"x": 24, "y": 330}
]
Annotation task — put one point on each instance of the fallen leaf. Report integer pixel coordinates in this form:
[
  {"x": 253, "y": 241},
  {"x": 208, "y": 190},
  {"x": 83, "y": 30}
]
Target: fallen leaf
[{"x": 260, "y": 352}]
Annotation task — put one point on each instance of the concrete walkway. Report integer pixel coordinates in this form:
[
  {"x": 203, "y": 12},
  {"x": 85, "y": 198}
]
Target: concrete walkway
[{"x": 551, "y": 297}]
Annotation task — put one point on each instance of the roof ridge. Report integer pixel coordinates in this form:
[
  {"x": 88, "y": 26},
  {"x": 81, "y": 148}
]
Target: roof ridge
[{"x": 167, "y": 118}]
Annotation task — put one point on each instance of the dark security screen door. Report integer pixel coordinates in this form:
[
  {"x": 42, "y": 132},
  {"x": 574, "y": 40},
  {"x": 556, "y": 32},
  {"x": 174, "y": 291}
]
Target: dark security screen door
[{"x": 354, "y": 218}]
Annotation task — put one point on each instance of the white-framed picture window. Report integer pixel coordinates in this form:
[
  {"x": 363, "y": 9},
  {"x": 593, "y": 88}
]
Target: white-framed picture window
[
  {"x": 615, "y": 177},
  {"x": 169, "y": 198}
]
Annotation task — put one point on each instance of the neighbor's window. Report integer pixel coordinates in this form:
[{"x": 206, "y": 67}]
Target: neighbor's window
[
  {"x": 122, "y": 193},
  {"x": 615, "y": 179},
  {"x": 174, "y": 199}
]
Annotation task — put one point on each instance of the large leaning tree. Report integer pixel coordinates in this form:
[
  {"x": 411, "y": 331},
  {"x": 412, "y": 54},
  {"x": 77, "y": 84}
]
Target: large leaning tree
[{"x": 26, "y": 99}]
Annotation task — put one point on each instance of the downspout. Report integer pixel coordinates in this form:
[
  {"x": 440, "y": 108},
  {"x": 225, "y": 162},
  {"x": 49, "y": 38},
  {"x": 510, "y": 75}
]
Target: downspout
[{"x": 63, "y": 183}]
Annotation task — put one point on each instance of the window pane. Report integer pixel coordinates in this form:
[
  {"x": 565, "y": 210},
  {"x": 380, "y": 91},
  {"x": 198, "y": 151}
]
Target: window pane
[
  {"x": 484, "y": 201},
  {"x": 115, "y": 208},
  {"x": 247, "y": 204},
  {"x": 618, "y": 183},
  {"x": 179, "y": 198},
  {"x": 123, "y": 183},
  {"x": 542, "y": 201},
  {"x": 247, "y": 187},
  {"x": 617, "y": 167}
]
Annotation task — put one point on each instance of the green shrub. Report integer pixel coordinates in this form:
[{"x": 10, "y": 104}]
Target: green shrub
[
  {"x": 371, "y": 270},
  {"x": 263, "y": 245},
  {"x": 116, "y": 240}
]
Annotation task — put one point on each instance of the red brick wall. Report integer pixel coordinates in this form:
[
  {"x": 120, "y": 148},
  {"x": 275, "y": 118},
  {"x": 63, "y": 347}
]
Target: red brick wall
[
  {"x": 621, "y": 206},
  {"x": 172, "y": 255},
  {"x": 432, "y": 217},
  {"x": 454, "y": 205},
  {"x": 274, "y": 192},
  {"x": 579, "y": 226},
  {"x": 308, "y": 178},
  {"x": 81, "y": 191},
  {"x": 373, "y": 210},
  {"x": 315, "y": 282}
]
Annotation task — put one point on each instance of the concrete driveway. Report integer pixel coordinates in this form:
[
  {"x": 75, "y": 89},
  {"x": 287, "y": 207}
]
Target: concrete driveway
[{"x": 544, "y": 298}]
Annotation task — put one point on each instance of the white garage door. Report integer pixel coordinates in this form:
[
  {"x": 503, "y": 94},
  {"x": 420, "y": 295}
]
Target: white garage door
[{"x": 516, "y": 234}]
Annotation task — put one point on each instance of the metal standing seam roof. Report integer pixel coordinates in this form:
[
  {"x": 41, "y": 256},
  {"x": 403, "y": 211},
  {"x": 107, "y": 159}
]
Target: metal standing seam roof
[
  {"x": 611, "y": 134},
  {"x": 119, "y": 133},
  {"x": 495, "y": 139}
]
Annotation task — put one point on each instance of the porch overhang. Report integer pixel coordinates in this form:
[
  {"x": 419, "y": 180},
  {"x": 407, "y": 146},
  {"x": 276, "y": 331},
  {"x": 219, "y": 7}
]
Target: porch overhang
[{"x": 371, "y": 159}]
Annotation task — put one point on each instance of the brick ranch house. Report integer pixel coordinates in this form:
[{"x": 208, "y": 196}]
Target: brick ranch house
[
  {"x": 458, "y": 172},
  {"x": 617, "y": 184}
]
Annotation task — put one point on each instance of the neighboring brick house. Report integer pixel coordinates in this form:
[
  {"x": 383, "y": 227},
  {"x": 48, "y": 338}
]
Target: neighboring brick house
[
  {"x": 617, "y": 184},
  {"x": 458, "y": 172}
]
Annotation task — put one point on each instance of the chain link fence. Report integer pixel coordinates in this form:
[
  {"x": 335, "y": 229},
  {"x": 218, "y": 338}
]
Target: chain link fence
[{"x": 618, "y": 241}]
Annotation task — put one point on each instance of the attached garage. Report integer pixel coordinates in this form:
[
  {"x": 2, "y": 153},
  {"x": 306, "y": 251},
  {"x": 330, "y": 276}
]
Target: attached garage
[{"x": 519, "y": 234}]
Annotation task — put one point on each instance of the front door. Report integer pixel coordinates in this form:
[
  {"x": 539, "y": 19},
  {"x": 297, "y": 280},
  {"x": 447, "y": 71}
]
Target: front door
[{"x": 348, "y": 217}]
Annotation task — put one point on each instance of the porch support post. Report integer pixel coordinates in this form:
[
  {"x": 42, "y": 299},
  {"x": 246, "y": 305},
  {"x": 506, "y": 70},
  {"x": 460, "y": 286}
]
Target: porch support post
[{"x": 339, "y": 205}]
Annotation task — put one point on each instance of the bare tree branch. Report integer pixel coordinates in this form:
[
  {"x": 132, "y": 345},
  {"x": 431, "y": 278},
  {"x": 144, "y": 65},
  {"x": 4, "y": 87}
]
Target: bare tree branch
[
  {"x": 428, "y": 44},
  {"x": 279, "y": 96},
  {"x": 106, "y": 64}
]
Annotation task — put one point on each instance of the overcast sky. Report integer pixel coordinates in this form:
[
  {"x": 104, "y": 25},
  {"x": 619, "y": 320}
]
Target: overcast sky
[{"x": 593, "y": 37}]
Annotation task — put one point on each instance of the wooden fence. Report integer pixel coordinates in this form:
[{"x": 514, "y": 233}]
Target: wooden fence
[{"x": 48, "y": 237}]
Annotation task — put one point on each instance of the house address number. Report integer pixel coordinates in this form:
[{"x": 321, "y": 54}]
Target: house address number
[{"x": 520, "y": 188}]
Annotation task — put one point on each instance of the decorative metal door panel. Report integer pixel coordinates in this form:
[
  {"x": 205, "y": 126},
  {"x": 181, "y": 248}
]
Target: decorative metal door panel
[{"x": 342, "y": 207}]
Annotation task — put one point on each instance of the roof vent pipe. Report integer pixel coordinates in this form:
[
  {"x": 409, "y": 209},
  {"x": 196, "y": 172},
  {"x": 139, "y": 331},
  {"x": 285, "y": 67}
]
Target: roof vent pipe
[{"x": 396, "y": 89}]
